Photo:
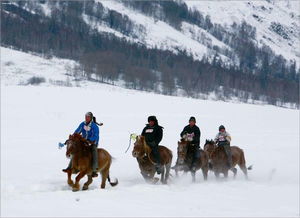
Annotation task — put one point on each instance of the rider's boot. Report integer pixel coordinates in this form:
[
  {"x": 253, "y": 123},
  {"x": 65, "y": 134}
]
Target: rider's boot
[
  {"x": 68, "y": 168},
  {"x": 94, "y": 160}
]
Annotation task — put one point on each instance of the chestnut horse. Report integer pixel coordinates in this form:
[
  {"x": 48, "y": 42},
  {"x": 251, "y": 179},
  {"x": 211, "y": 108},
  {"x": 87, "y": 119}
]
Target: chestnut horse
[
  {"x": 142, "y": 152},
  {"x": 81, "y": 153},
  {"x": 218, "y": 159},
  {"x": 185, "y": 152}
]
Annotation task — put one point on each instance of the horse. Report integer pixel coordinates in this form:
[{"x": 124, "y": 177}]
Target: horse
[
  {"x": 142, "y": 152},
  {"x": 81, "y": 153},
  {"x": 218, "y": 159},
  {"x": 185, "y": 152}
]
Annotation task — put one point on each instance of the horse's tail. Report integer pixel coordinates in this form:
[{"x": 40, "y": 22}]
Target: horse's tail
[
  {"x": 171, "y": 154},
  {"x": 108, "y": 178},
  {"x": 112, "y": 183},
  {"x": 243, "y": 161}
]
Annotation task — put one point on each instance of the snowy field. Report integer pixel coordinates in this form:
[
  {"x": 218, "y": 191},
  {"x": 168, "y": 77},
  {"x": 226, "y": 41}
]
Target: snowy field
[{"x": 35, "y": 118}]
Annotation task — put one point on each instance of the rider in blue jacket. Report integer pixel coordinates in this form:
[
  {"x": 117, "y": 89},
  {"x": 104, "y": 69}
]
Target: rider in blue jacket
[{"x": 90, "y": 131}]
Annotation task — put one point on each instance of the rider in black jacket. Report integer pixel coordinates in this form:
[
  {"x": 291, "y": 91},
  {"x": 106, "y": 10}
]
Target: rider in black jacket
[
  {"x": 192, "y": 133},
  {"x": 153, "y": 135}
]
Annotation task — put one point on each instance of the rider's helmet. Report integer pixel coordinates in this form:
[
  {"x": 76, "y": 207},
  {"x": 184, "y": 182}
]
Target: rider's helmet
[
  {"x": 89, "y": 114},
  {"x": 192, "y": 119},
  {"x": 221, "y": 127},
  {"x": 152, "y": 118}
]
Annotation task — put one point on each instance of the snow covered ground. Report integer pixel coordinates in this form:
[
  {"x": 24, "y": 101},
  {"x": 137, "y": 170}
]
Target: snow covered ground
[{"x": 35, "y": 118}]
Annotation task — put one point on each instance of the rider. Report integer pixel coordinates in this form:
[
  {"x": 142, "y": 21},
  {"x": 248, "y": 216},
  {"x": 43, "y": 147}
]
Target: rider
[
  {"x": 89, "y": 131},
  {"x": 192, "y": 133},
  {"x": 223, "y": 138},
  {"x": 153, "y": 135}
]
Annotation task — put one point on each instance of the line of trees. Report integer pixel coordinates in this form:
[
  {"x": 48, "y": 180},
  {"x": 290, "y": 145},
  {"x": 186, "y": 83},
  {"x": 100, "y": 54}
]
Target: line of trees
[
  {"x": 109, "y": 58},
  {"x": 240, "y": 37}
]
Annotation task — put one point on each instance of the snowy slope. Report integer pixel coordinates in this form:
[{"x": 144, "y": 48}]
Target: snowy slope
[
  {"x": 161, "y": 35},
  {"x": 259, "y": 14},
  {"x": 276, "y": 23},
  {"x": 18, "y": 67},
  {"x": 35, "y": 118}
]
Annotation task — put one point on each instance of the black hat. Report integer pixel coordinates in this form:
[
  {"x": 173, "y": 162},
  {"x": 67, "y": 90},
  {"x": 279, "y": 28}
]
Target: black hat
[
  {"x": 152, "y": 118},
  {"x": 221, "y": 127},
  {"x": 192, "y": 119}
]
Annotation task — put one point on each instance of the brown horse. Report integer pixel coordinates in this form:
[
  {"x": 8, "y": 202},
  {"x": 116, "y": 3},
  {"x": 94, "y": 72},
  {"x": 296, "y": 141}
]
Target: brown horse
[
  {"x": 81, "y": 153},
  {"x": 185, "y": 155},
  {"x": 142, "y": 152},
  {"x": 218, "y": 159}
]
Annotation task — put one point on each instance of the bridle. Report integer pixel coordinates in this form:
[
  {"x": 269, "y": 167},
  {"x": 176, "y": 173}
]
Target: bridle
[
  {"x": 146, "y": 149},
  {"x": 182, "y": 149}
]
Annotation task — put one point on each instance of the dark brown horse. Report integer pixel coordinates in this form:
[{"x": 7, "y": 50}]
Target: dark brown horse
[
  {"x": 142, "y": 152},
  {"x": 81, "y": 153},
  {"x": 218, "y": 159},
  {"x": 185, "y": 152}
]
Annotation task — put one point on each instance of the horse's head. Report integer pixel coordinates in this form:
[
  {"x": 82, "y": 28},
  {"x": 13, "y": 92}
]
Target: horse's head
[
  {"x": 139, "y": 147},
  {"x": 73, "y": 144},
  {"x": 182, "y": 150},
  {"x": 209, "y": 146}
]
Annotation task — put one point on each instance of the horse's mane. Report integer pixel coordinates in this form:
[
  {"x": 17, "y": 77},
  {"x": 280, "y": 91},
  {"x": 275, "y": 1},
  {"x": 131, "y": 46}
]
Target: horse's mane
[
  {"x": 209, "y": 141},
  {"x": 78, "y": 137},
  {"x": 146, "y": 147},
  {"x": 208, "y": 144},
  {"x": 81, "y": 141}
]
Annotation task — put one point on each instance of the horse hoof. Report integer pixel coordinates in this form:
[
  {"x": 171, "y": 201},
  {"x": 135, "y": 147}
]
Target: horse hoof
[
  {"x": 85, "y": 188},
  {"x": 71, "y": 183},
  {"x": 76, "y": 188},
  {"x": 155, "y": 180}
]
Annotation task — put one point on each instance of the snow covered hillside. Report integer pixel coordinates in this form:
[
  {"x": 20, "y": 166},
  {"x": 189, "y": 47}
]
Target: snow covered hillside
[
  {"x": 266, "y": 16},
  {"x": 35, "y": 118},
  {"x": 276, "y": 22},
  {"x": 234, "y": 50}
]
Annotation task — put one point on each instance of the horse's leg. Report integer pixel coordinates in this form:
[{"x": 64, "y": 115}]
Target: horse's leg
[
  {"x": 242, "y": 164},
  {"x": 145, "y": 176},
  {"x": 193, "y": 173},
  {"x": 168, "y": 168},
  {"x": 104, "y": 175},
  {"x": 86, "y": 185},
  {"x": 234, "y": 170},
  {"x": 217, "y": 174},
  {"x": 149, "y": 177},
  {"x": 204, "y": 172},
  {"x": 245, "y": 171},
  {"x": 76, "y": 186},
  {"x": 225, "y": 172},
  {"x": 162, "y": 177},
  {"x": 70, "y": 181}
]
